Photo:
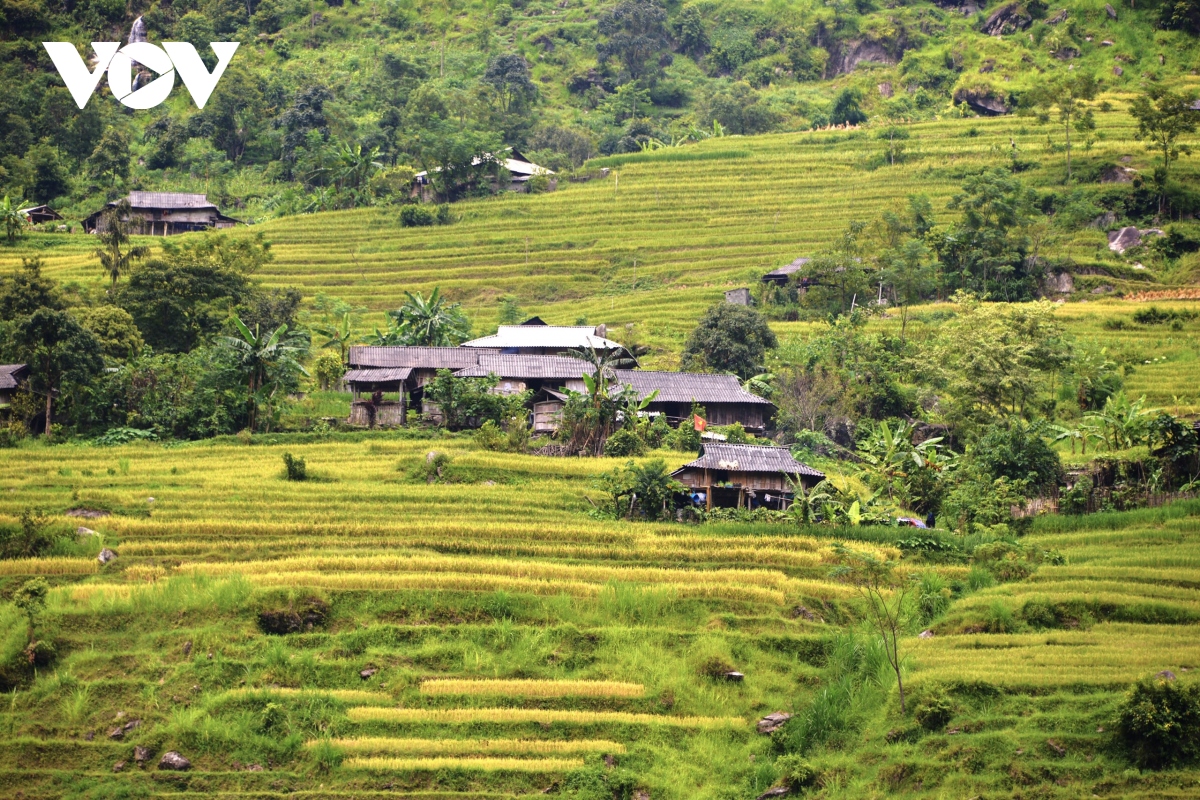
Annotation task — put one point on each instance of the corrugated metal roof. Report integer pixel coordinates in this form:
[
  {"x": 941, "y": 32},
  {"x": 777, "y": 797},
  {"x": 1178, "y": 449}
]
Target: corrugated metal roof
[
  {"x": 168, "y": 200},
  {"x": 384, "y": 375},
  {"x": 9, "y": 373},
  {"x": 686, "y": 387},
  {"x": 522, "y": 366},
  {"x": 363, "y": 356},
  {"x": 557, "y": 337},
  {"x": 750, "y": 458},
  {"x": 783, "y": 272}
]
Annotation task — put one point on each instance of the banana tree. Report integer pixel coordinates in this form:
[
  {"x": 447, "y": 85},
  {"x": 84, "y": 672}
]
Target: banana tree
[
  {"x": 1121, "y": 424},
  {"x": 266, "y": 361},
  {"x": 14, "y": 222},
  {"x": 889, "y": 455}
]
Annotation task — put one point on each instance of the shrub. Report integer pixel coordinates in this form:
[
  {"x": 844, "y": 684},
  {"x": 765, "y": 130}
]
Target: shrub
[
  {"x": 1075, "y": 499},
  {"x": 432, "y": 469},
  {"x": 490, "y": 437},
  {"x": 1159, "y": 723},
  {"x": 624, "y": 443},
  {"x": 1000, "y": 619},
  {"x": 795, "y": 772},
  {"x": 933, "y": 596},
  {"x": 296, "y": 469},
  {"x": 934, "y": 712},
  {"x": 292, "y": 614},
  {"x": 33, "y": 535},
  {"x": 715, "y": 667},
  {"x": 416, "y": 216}
]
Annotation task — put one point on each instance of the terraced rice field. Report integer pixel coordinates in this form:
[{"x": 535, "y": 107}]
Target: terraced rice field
[
  {"x": 661, "y": 237},
  {"x": 492, "y": 640}
]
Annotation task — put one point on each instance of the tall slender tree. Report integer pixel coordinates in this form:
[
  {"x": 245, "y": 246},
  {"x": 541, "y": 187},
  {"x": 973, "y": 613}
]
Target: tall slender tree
[{"x": 117, "y": 254}]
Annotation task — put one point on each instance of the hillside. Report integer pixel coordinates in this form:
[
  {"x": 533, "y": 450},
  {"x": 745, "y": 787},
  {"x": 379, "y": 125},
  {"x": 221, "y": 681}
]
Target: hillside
[
  {"x": 316, "y": 92},
  {"x": 434, "y": 590},
  {"x": 664, "y": 234}
]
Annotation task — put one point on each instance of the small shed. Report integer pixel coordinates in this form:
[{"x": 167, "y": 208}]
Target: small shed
[
  {"x": 782, "y": 275},
  {"x": 547, "y": 411},
  {"x": 165, "y": 214},
  {"x": 39, "y": 214},
  {"x": 739, "y": 297},
  {"x": 377, "y": 408},
  {"x": 11, "y": 378},
  {"x": 744, "y": 476}
]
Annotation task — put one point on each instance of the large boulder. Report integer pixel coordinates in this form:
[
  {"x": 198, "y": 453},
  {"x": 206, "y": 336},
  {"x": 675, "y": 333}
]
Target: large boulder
[
  {"x": 1124, "y": 239},
  {"x": 106, "y": 556},
  {"x": 860, "y": 52},
  {"x": 173, "y": 761},
  {"x": 1008, "y": 18},
  {"x": 773, "y": 722},
  {"x": 982, "y": 101}
]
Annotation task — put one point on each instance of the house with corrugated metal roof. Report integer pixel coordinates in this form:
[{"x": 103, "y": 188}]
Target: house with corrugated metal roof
[
  {"x": 744, "y": 476},
  {"x": 782, "y": 275},
  {"x": 722, "y": 397},
  {"x": 11, "y": 378},
  {"x": 164, "y": 214}
]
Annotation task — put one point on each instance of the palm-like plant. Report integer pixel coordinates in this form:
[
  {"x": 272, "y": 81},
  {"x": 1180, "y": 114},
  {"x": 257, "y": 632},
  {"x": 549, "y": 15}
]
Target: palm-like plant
[
  {"x": 264, "y": 359},
  {"x": 889, "y": 454},
  {"x": 431, "y": 322},
  {"x": 761, "y": 384},
  {"x": 116, "y": 256},
  {"x": 14, "y": 222},
  {"x": 1121, "y": 424}
]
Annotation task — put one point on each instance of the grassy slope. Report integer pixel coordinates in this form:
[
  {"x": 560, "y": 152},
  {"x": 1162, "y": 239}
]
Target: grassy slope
[{"x": 548, "y": 595}]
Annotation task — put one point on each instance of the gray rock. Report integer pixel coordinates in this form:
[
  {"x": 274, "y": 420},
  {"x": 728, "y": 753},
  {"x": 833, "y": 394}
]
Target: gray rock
[
  {"x": 1118, "y": 71},
  {"x": 117, "y": 734},
  {"x": 1008, "y": 18},
  {"x": 1103, "y": 289},
  {"x": 367, "y": 673},
  {"x": 925, "y": 634},
  {"x": 1166, "y": 675},
  {"x": 117, "y": 767},
  {"x": 1124, "y": 239},
  {"x": 1117, "y": 174},
  {"x": 735, "y": 677},
  {"x": 106, "y": 556},
  {"x": 885, "y": 89},
  {"x": 861, "y": 52},
  {"x": 773, "y": 722},
  {"x": 1112, "y": 12},
  {"x": 1061, "y": 16},
  {"x": 777, "y": 791},
  {"x": 982, "y": 102},
  {"x": 141, "y": 754},
  {"x": 254, "y": 768},
  {"x": 82, "y": 531},
  {"x": 173, "y": 761},
  {"x": 1104, "y": 221},
  {"x": 187, "y": 647}
]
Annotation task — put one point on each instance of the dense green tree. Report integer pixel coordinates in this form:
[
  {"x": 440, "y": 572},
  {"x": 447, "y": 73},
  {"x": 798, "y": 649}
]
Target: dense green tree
[
  {"x": 1163, "y": 118},
  {"x": 1181, "y": 15},
  {"x": 178, "y": 302},
  {"x": 114, "y": 328},
  {"x": 110, "y": 160},
  {"x": 634, "y": 32},
  {"x": 693, "y": 36},
  {"x": 1016, "y": 451},
  {"x": 986, "y": 251},
  {"x": 59, "y": 351},
  {"x": 26, "y": 290},
  {"x": 51, "y": 178},
  {"x": 847, "y": 108},
  {"x": 508, "y": 75},
  {"x": 729, "y": 338}
]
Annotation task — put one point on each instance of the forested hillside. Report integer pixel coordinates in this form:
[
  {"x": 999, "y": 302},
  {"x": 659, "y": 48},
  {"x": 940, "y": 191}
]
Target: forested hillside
[{"x": 335, "y": 106}]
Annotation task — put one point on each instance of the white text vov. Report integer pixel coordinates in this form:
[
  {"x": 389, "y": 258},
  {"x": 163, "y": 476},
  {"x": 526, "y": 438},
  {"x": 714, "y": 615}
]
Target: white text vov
[{"x": 119, "y": 61}]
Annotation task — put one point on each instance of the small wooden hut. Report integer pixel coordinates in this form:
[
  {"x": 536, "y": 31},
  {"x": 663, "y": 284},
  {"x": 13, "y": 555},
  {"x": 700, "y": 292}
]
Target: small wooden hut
[{"x": 744, "y": 476}]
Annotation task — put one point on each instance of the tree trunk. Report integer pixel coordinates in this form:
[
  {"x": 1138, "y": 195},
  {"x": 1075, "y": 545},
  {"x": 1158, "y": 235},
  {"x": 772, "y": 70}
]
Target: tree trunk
[
  {"x": 49, "y": 396},
  {"x": 900, "y": 686}
]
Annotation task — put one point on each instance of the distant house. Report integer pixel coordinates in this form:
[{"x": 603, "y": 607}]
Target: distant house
[
  {"x": 11, "y": 378},
  {"x": 520, "y": 169},
  {"x": 39, "y": 214},
  {"x": 548, "y": 340},
  {"x": 744, "y": 476},
  {"x": 782, "y": 275},
  {"x": 165, "y": 214},
  {"x": 405, "y": 372},
  {"x": 722, "y": 396}
]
